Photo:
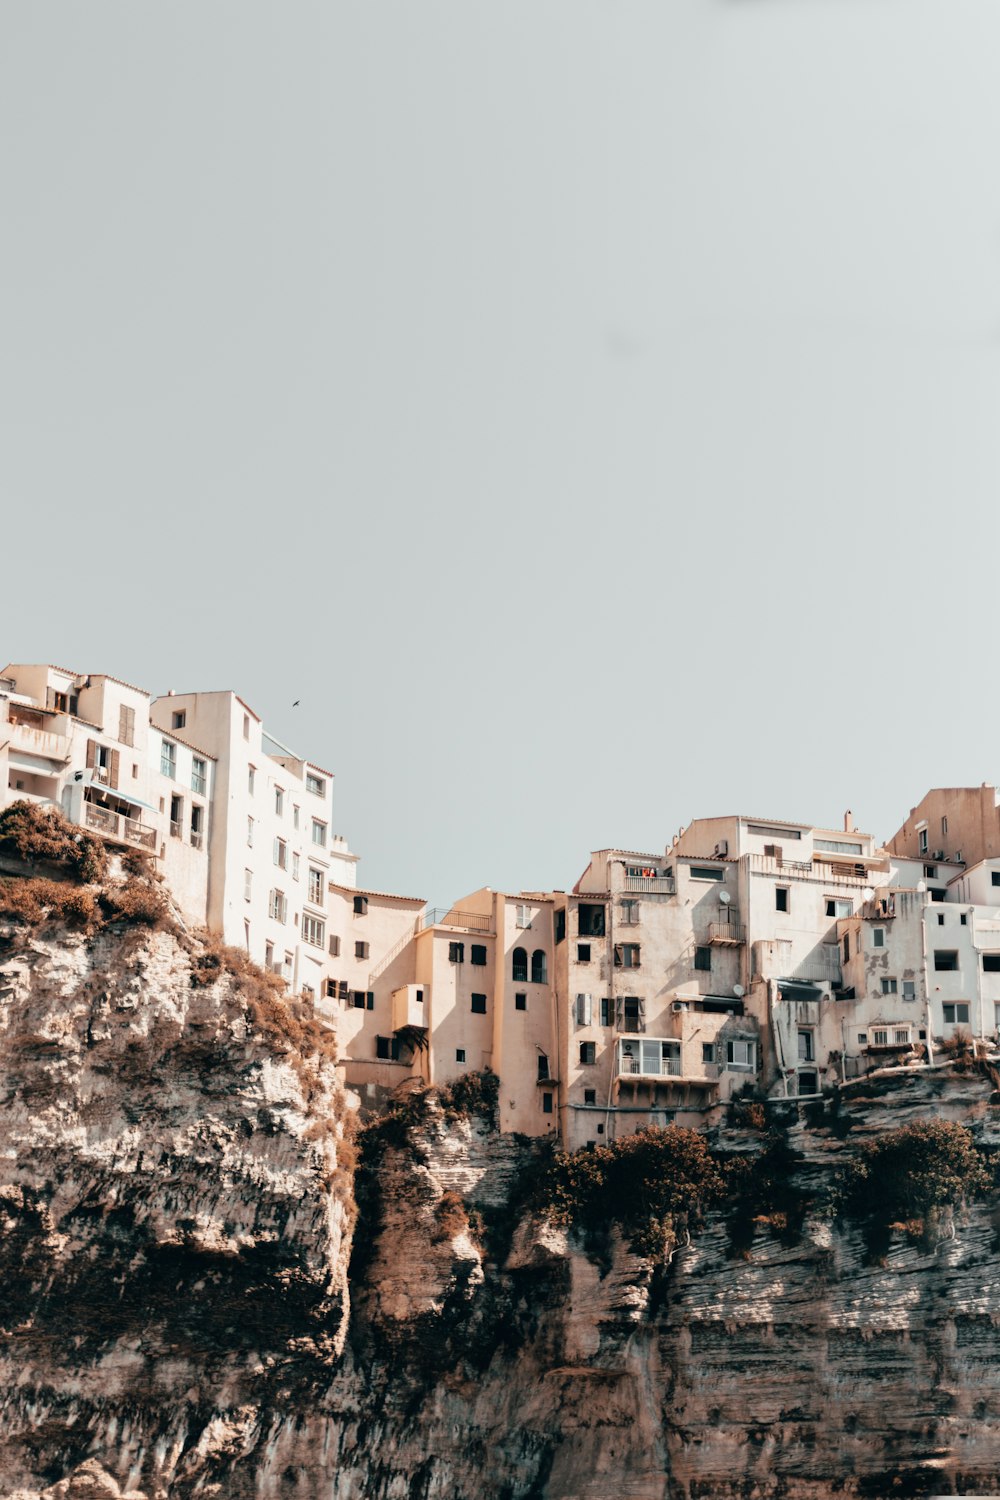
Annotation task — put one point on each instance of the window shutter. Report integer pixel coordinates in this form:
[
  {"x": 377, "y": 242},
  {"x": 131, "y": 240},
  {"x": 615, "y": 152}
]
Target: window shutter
[
  {"x": 115, "y": 762},
  {"x": 91, "y": 754},
  {"x": 583, "y": 1010},
  {"x": 370, "y": 997},
  {"x": 642, "y": 1014},
  {"x": 619, "y": 956},
  {"x": 619, "y": 1012}
]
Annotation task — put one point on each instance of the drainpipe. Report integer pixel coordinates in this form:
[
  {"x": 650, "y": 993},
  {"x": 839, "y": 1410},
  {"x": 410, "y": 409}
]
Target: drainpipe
[
  {"x": 927, "y": 989},
  {"x": 612, "y": 1003},
  {"x": 776, "y": 1031}
]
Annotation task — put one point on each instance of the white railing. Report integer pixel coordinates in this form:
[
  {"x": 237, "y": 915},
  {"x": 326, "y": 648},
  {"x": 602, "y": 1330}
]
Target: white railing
[{"x": 656, "y": 885}]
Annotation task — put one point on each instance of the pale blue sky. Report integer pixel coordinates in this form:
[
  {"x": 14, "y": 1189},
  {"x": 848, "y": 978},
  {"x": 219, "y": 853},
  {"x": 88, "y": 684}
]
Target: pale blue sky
[{"x": 589, "y": 410}]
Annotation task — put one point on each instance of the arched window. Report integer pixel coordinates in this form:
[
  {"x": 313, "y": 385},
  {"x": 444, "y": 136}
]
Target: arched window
[
  {"x": 520, "y": 968},
  {"x": 538, "y": 967}
]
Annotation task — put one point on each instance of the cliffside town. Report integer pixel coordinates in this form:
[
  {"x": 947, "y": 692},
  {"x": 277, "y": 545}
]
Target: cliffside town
[{"x": 750, "y": 954}]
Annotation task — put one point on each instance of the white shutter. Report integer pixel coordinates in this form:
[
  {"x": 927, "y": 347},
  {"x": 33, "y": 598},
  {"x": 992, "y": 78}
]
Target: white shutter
[{"x": 583, "y": 1010}]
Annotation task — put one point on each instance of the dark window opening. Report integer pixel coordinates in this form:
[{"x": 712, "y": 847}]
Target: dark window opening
[
  {"x": 945, "y": 960},
  {"x": 538, "y": 973},
  {"x": 583, "y": 953},
  {"x": 456, "y": 953},
  {"x": 387, "y": 1047},
  {"x": 479, "y": 1005},
  {"x": 520, "y": 1002},
  {"x": 519, "y": 966},
  {"x": 588, "y": 1053},
  {"x": 547, "y": 1105},
  {"x": 590, "y": 919},
  {"x": 477, "y": 954},
  {"x": 543, "y": 1066},
  {"x": 991, "y": 963},
  {"x": 703, "y": 958},
  {"x": 560, "y": 924},
  {"x": 590, "y": 1096},
  {"x": 360, "y": 905},
  {"x": 781, "y": 898}
]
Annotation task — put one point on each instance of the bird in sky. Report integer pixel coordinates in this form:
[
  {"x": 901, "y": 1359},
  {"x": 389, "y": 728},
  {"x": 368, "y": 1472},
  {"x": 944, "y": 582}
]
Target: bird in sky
[{"x": 297, "y": 702}]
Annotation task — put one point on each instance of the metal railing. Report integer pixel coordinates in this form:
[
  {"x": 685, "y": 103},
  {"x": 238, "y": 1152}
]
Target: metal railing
[
  {"x": 114, "y": 825},
  {"x": 447, "y": 916},
  {"x": 726, "y": 932}
]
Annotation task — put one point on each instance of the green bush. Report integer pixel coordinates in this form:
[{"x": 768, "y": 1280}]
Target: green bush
[
  {"x": 30, "y": 833},
  {"x": 905, "y": 1174},
  {"x": 652, "y": 1184}
]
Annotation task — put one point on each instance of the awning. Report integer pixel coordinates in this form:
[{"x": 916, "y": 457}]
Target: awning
[
  {"x": 45, "y": 765},
  {"x": 798, "y": 989},
  {"x": 113, "y": 791}
]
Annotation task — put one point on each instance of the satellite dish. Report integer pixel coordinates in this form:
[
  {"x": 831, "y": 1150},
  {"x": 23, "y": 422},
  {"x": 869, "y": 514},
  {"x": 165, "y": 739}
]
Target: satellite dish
[
  {"x": 725, "y": 897},
  {"x": 921, "y": 885},
  {"x": 739, "y": 991},
  {"x": 868, "y": 893}
]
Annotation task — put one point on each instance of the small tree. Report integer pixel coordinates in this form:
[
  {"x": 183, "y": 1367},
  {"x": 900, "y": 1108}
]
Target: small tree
[{"x": 906, "y": 1174}]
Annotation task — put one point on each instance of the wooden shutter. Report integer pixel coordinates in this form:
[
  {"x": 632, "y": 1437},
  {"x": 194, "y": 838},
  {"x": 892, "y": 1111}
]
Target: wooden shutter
[
  {"x": 91, "y": 754},
  {"x": 619, "y": 1012},
  {"x": 115, "y": 762},
  {"x": 619, "y": 956},
  {"x": 642, "y": 1014}
]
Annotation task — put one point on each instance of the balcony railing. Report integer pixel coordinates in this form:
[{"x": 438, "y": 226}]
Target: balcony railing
[
  {"x": 655, "y": 885},
  {"x": 726, "y": 932},
  {"x": 112, "y": 825},
  {"x": 446, "y": 916}
]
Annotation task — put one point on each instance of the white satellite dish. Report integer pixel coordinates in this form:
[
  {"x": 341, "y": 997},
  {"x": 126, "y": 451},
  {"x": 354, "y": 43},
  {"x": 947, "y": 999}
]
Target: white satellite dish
[
  {"x": 868, "y": 893},
  {"x": 739, "y": 991},
  {"x": 725, "y": 897}
]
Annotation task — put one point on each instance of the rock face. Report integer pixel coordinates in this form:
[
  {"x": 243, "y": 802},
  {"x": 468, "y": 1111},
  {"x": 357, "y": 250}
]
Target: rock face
[{"x": 175, "y": 1217}]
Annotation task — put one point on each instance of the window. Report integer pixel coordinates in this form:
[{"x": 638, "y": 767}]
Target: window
[
  {"x": 706, "y": 872},
  {"x": 387, "y": 1047},
  {"x": 605, "y": 1011},
  {"x": 901, "y": 1036},
  {"x": 837, "y": 907},
  {"x": 519, "y": 966},
  {"x": 889, "y": 987},
  {"x": 862, "y": 1036},
  {"x": 319, "y": 833},
  {"x": 522, "y": 916},
  {"x": 590, "y": 1096},
  {"x": 279, "y": 801},
  {"x": 847, "y": 947},
  {"x": 945, "y": 960},
  {"x": 314, "y": 886},
  {"x": 248, "y": 885},
  {"x": 991, "y": 963},
  {"x": 940, "y": 917},
  {"x": 269, "y": 956},
  {"x": 880, "y": 1036},
  {"x": 249, "y": 833},
  {"x": 708, "y": 1052},
  {"x": 295, "y": 866},
  {"x": 703, "y": 958},
  {"x": 583, "y": 953},
  {"x": 627, "y": 956},
  {"x": 630, "y": 913},
  {"x": 538, "y": 974},
  {"x": 251, "y": 778},
  {"x": 590, "y": 919},
  {"x": 199, "y": 775},
  {"x": 358, "y": 999},
  {"x": 456, "y": 953},
  {"x": 477, "y": 955},
  {"x": 360, "y": 906},
  {"x": 781, "y": 894},
  {"x": 520, "y": 1002},
  {"x": 584, "y": 1010},
  {"x": 246, "y": 726},
  {"x": 807, "y": 1051},
  {"x": 315, "y": 784},
  {"x": 168, "y": 759},
  {"x": 313, "y": 930},
  {"x": 560, "y": 923},
  {"x": 197, "y": 825},
  {"x": 460, "y": 1054},
  {"x": 361, "y": 950},
  {"x": 281, "y": 854},
  {"x": 547, "y": 1105},
  {"x": 837, "y": 846},
  {"x": 632, "y": 1015},
  {"x": 995, "y": 877},
  {"x": 277, "y": 906},
  {"x": 126, "y": 725},
  {"x": 295, "y": 815},
  {"x": 588, "y": 1054},
  {"x": 478, "y": 1005},
  {"x": 963, "y": 919},
  {"x": 938, "y": 893},
  {"x": 878, "y": 937},
  {"x": 543, "y": 1065},
  {"x": 944, "y": 825},
  {"x": 930, "y": 872},
  {"x": 741, "y": 1054},
  {"x": 909, "y": 990},
  {"x": 957, "y": 1013},
  {"x": 922, "y": 841},
  {"x": 178, "y": 719},
  {"x": 176, "y": 817},
  {"x": 334, "y": 946}
]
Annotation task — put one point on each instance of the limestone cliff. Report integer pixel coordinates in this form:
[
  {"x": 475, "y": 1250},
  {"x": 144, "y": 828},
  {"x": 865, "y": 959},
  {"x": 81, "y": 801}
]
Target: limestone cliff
[{"x": 176, "y": 1217}]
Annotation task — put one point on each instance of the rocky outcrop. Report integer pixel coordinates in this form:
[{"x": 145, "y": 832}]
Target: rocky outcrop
[{"x": 175, "y": 1221}]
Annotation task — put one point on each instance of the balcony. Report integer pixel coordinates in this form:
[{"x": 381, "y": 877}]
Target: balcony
[
  {"x": 112, "y": 825},
  {"x": 446, "y": 916},
  {"x": 727, "y": 934},
  {"x": 651, "y": 885},
  {"x": 655, "y": 1058},
  {"x": 409, "y": 1007},
  {"x": 36, "y": 741}
]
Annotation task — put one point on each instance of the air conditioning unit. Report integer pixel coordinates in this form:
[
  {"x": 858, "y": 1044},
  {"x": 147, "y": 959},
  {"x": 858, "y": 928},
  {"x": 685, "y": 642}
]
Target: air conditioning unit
[
  {"x": 722, "y": 848},
  {"x": 678, "y": 1006},
  {"x": 938, "y": 854}
]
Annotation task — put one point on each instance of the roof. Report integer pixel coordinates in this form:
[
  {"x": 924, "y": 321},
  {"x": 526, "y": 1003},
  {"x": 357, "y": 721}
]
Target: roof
[
  {"x": 357, "y": 890},
  {"x": 171, "y": 734},
  {"x": 314, "y": 767},
  {"x": 68, "y": 672}
]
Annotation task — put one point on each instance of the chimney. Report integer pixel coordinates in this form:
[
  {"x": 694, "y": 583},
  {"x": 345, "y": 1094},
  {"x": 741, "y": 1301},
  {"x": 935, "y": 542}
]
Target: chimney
[{"x": 848, "y": 822}]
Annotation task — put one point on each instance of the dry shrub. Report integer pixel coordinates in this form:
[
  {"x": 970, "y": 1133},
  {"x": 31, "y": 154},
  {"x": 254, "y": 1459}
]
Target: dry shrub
[
  {"x": 32, "y": 833},
  {"x": 450, "y": 1218},
  {"x": 35, "y": 902},
  {"x": 144, "y": 905}
]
